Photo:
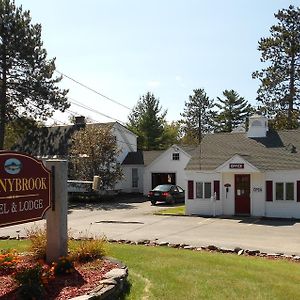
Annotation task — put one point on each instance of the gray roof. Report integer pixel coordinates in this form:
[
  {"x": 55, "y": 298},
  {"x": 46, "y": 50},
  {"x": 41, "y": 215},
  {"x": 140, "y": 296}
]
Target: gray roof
[
  {"x": 150, "y": 156},
  {"x": 134, "y": 158},
  {"x": 147, "y": 157},
  {"x": 51, "y": 141},
  {"x": 279, "y": 150}
]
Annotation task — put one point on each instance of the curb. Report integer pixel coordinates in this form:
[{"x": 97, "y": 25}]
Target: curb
[{"x": 211, "y": 248}]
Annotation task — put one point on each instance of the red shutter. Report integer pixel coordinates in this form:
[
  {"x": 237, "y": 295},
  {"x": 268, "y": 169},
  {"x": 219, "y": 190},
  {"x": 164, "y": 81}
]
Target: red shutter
[
  {"x": 190, "y": 189},
  {"x": 269, "y": 190},
  {"x": 217, "y": 189},
  {"x": 298, "y": 191}
]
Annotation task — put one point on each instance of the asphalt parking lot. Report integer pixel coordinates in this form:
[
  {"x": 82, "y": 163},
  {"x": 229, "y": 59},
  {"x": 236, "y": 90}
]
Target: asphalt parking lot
[{"x": 133, "y": 219}]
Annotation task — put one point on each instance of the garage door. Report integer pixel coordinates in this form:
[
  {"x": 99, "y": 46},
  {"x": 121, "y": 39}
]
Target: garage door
[{"x": 163, "y": 178}]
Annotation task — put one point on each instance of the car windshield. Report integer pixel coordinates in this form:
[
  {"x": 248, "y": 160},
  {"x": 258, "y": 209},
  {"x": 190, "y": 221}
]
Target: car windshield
[{"x": 163, "y": 187}]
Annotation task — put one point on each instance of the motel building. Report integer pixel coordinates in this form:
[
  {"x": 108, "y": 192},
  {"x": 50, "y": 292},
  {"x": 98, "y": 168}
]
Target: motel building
[{"x": 253, "y": 173}]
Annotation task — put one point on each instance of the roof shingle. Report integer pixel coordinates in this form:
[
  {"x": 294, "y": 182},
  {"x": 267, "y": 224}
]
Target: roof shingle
[{"x": 280, "y": 150}]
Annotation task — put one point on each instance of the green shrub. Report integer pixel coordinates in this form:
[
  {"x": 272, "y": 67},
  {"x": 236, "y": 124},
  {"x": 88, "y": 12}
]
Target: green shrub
[
  {"x": 31, "y": 282},
  {"x": 63, "y": 266},
  {"x": 89, "y": 249},
  {"x": 38, "y": 239}
]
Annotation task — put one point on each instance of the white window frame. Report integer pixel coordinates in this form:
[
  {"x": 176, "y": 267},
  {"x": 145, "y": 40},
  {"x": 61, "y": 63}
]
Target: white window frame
[
  {"x": 284, "y": 196},
  {"x": 203, "y": 189},
  {"x": 175, "y": 156}
]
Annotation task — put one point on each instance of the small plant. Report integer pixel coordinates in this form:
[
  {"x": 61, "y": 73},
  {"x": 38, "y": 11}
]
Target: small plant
[
  {"x": 8, "y": 259},
  {"x": 32, "y": 281},
  {"x": 38, "y": 238},
  {"x": 89, "y": 249},
  {"x": 63, "y": 266}
]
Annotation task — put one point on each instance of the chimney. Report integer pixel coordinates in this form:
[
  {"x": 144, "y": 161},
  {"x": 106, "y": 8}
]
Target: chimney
[{"x": 79, "y": 120}]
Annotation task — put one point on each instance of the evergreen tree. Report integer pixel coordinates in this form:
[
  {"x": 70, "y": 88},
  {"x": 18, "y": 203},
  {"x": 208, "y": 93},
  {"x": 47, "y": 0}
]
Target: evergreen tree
[
  {"x": 279, "y": 91},
  {"x": 16, "y": 129},
  {"x": 170, "y": 134},
  {"x": 147, "y": 121},
  {"x": 198, "y": 117},
  {"x": 234, "y": 111},
  {"x": 27, "y": 88}
]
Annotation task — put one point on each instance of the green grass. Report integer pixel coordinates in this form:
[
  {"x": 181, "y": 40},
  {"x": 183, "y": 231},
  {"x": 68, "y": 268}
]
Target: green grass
[
  {"x": 19, "y": 245},
  {"x": 167, "y": 273},
  {"x": 177, "y": 211},
  {"x": 164, "y": 273}
]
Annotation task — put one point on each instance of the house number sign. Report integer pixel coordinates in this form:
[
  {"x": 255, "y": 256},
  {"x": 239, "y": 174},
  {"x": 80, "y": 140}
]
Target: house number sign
[{"x": 25, "y": 188}]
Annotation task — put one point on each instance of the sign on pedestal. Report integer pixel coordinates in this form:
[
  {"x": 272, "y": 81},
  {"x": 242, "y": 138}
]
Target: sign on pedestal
[{"x": 25, "y": 188}]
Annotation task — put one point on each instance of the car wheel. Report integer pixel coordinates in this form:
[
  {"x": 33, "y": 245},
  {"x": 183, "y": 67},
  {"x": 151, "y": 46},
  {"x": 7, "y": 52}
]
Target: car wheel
[{"x": 153, "y": 202}]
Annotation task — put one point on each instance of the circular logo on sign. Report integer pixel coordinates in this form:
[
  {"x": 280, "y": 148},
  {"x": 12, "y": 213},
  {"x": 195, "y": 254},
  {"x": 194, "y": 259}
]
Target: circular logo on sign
[{"x": 12, "y": 166}]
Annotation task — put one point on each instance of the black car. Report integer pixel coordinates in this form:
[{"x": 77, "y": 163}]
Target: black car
[{"x": 168, "y": 193}]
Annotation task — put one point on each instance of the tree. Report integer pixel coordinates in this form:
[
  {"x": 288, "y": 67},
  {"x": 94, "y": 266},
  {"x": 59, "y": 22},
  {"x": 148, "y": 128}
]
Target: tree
[
  {"x": 27, "y": 86},
  {"x": 170, "y": 134},
  {"x": 234, "y": 111},
  {"x": 147, "y": 121},
  {"x": 93, "y": 153},
  {"x": 198, "y": 117},
  {"x": 16, "y": 129},
  {"x": 279, "y": 83}
]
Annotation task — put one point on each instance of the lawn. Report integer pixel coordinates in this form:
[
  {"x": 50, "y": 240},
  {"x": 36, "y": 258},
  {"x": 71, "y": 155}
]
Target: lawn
[
  {"x": 167, "y": 273},
  {"x": 176, "y": 210},
  {"x": 164, "y": 273}
]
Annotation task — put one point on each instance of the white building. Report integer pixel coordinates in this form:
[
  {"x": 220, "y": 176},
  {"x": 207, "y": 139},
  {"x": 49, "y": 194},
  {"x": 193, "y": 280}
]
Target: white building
[
  {"x": 253, "y": 173},
  {"x": 144, "y": 170}
]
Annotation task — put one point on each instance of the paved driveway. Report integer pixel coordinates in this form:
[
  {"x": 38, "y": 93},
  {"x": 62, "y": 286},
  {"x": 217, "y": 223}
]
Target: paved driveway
[{"x": 134, "y": 220}]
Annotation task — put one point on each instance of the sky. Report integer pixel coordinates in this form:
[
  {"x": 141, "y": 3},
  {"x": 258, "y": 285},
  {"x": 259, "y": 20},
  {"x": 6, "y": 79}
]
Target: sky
[{"x": 123, "y": 49}]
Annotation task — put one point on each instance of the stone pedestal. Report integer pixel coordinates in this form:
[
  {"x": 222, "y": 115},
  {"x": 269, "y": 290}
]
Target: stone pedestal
[{"x": 56, "y": 216}]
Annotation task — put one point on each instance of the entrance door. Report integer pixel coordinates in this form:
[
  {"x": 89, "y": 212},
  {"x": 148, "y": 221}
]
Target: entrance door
[{"x": 242, "y": 194}]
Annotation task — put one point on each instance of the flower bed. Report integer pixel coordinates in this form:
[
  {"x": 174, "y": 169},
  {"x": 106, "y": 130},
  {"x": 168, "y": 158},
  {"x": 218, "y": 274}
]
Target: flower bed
[{"x": 63, "y": 284}]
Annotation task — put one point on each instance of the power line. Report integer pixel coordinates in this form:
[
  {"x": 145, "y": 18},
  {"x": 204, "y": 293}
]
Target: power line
[
  {"x": 76, "y": 102},
  {"x": 93, "y": 90},
  {"x": 75, "y": 113}
]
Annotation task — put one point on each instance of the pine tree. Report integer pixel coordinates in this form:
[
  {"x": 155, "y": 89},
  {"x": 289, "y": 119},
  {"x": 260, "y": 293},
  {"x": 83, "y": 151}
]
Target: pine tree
[
  {"x": 147, "y": 121},
  {"x": 233, "y": 111},
  {"x": 198, "y": 117},
  {"x": 27, "y": 88},
  {"x": 279, "y": 91}
]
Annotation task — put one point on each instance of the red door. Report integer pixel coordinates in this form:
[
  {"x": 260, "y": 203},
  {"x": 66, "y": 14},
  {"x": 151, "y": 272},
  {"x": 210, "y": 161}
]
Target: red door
[{"x": 242, "y": 194}]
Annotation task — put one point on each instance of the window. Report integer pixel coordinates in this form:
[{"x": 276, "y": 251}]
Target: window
[
  {"x": 284, "y": 190},
  {"x": 180, "y": 190},
  {"x": 279, "y": 190},
  {"x": 207, "y": 190},
  {"x": 135, "y": 178},
  {"x": 199, "y": 189},
  {"x": 289, "y": 191},
  {"x": 203, "y": 190},
  {"x": 175, "y": 156}
]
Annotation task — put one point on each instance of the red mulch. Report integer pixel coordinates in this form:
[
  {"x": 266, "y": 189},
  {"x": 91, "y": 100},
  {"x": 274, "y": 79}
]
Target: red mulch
[{"x": 85, "y": 278}]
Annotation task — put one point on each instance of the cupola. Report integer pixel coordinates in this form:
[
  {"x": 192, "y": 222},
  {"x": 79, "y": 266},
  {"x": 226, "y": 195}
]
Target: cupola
[{"x": 258, "y": 126}]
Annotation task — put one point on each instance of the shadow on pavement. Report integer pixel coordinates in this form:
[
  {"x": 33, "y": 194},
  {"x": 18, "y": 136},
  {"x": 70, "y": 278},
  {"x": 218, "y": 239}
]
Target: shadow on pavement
[
  {"x": 258, "y": 220},
  {"x": 269, "y": 221},
  {"x": 107, "y": 203}
]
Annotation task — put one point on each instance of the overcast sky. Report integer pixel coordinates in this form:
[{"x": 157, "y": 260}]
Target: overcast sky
[{"x": 122, "y": 49}]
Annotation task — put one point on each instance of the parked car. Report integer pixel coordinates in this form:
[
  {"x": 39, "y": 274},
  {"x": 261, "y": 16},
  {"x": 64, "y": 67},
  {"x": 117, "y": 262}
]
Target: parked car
[{"x": 168, "y": 193}]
